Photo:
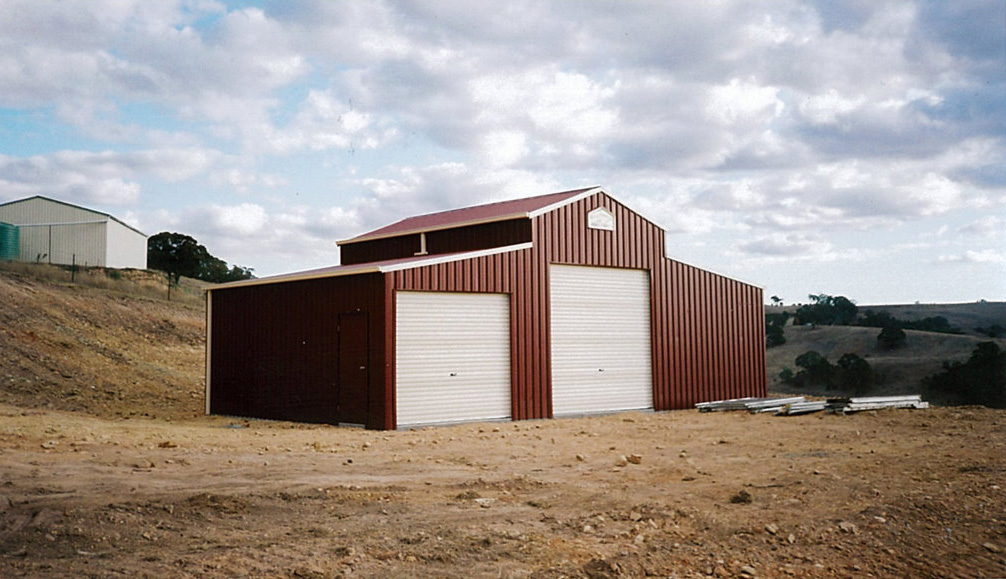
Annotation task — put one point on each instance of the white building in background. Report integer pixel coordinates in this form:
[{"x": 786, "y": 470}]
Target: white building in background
[{"x": 51, "y": 231}]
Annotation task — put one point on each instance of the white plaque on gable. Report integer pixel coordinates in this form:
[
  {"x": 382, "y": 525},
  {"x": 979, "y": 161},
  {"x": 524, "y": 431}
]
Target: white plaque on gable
[{"x": 601, "y": 218}]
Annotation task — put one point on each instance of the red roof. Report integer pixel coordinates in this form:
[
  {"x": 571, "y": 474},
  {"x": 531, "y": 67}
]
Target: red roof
[{"x": 500, "y": 211}]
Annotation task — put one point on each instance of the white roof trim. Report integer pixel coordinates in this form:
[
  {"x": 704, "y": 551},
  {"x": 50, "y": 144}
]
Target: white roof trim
[
  {"x": 350, "y": 270},
  {"x": 568, "y": 201},
  {"x": 282, "y": 278},
  {"x": 58, "y": 202}
]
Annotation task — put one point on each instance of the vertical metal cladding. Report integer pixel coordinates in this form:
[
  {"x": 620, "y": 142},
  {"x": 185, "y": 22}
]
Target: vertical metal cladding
[
  {"x": 275, "y": 348},
  {"x": 707, "y": 329}
]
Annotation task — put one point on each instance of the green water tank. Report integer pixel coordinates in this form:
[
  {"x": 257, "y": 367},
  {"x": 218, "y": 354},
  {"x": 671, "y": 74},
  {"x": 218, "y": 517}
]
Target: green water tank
[{"x": 9, "y": 249}]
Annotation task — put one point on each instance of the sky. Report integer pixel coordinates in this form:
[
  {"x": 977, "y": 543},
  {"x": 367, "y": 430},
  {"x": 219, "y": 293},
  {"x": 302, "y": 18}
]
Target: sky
[{"x": 851, "y": 148}]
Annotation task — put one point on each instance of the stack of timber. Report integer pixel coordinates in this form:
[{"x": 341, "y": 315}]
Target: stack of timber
[
  {"x": 847, "y": 405},
  {"x": 802, "y": 408},
  {"x": 753, "y": 405}
]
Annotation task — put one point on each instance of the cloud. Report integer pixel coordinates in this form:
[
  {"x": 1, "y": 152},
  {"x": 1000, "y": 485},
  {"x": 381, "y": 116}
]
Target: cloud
[
  {"x": 984, "y": 256},
  {"x": 107, "y": 177},
  {"x": 787, "y": 245},
  {"x": 990, "y": 226}
]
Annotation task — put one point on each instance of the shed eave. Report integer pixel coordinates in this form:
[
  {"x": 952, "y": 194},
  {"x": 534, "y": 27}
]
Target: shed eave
[
  {"x": 376, "y": 267},
  {"x": 88, "y": 209},
  {"x": 292, "y": 277},
  {"x": 564, "y": 202}
]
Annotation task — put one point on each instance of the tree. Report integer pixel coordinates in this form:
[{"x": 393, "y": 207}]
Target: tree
[
  {"x": 774, "y": 333},
  {"x": 776, "y": 300},
  {"x": 993, "y": 331},
  {"x": 815, "y": 368},
  {"x": 980, "y": 380},
  {"x": 827, "y": 311},
  {"x": 178, "y": 255},
  {"x": 854, "y": 373},
  {"x": 774, "y": 336},
  {"x": 891, "y": 338},
  {"x": 881, "y": 319}
]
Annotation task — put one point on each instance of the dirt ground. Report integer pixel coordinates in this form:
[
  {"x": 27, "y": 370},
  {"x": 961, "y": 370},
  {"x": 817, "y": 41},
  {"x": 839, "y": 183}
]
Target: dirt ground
[
  {"x": 109, "y": 469},
  {"x": 894, "y": 493}
]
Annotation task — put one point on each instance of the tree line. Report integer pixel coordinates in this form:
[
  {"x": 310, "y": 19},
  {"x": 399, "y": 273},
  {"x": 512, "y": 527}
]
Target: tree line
[
  {"x": 181, "y": 255},
  {"x": 979, "y": 380}
]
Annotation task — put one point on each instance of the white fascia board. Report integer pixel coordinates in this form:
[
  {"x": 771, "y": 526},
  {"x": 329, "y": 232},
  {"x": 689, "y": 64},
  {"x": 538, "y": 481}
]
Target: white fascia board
[
  {"x": 292, "y": 277},
  {"x": 455, "y": 257},
  {"x": 433, "y": 260},
  {"x": 564, "y": 202}
]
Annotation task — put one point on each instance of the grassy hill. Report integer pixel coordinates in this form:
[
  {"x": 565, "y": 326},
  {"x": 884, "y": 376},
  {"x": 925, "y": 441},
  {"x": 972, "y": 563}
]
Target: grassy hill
[
  {"x": 109, "y": 344},
  {"x": 897, "y": 371}
]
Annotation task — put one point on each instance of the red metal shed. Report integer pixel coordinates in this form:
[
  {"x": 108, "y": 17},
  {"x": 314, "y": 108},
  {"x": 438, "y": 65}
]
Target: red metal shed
[{"x": 560, "y": 304}]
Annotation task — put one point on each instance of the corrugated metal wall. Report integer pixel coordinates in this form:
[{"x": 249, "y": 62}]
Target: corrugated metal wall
[
  {"x": 126, "y": 247},
  {"x": 274, "y": 348},
  {"x": 83, "y": 243},
  {"x": 56, "y": 232},
  {"x": 708, "y": 330}
]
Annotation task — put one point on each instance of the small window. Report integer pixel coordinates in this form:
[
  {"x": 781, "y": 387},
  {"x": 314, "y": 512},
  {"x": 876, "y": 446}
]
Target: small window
[{"x": 601, "y": 218}]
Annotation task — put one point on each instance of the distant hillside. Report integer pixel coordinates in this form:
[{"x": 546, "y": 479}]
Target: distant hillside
[
  {"x": 110, "y": 345},
  {"x": 967, "y": 317},
  {"x": 898, "y": 371}
]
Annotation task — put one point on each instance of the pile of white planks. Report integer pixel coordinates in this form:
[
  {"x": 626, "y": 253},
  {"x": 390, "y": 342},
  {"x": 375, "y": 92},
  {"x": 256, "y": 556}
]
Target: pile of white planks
[
  {"x": 800, "y": 405},
  {"x": 753, "y": 405},
  {"x": 847, "y": 405}
]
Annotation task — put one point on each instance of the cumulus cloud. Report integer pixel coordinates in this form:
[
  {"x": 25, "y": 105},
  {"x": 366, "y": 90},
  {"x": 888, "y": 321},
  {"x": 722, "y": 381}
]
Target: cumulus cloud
[
  {"x": 785, "y": 123},
  {"x": 106, "y": 177}
]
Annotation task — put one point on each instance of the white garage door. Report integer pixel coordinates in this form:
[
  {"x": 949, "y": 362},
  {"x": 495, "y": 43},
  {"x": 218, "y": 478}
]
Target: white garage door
[
  {"x": 600, "y": 339},
  {"x": 452, "y": 357}
]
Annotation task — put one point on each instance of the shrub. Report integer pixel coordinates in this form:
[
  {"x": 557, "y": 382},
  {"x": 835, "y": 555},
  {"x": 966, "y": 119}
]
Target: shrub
[
  {"x": 774, "y": 336},
  {"x": 854, "y": 373},
  {"x": 774, "y": 333},
  {"x": 787, "y": 376},
  {"x": 980, "y": 380},
  {"x": 891, "y": 338},
  {"x": 815, "y": 369}
]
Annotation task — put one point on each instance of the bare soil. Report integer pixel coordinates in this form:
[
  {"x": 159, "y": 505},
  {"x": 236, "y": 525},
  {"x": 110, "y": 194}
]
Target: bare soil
[
  {"x": 129, "y": 479},
  {"x": 885, "y": 494}
]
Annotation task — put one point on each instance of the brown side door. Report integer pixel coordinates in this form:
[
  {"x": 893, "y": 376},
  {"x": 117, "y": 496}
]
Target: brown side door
[{"x": 354, "y": 368}]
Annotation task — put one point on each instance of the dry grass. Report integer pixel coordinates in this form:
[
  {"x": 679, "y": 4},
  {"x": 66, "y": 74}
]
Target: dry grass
[
  {"x": 105, "y": 345},
  {"x": 898, "y": 371},
  {"x": 133, "y": 282}
]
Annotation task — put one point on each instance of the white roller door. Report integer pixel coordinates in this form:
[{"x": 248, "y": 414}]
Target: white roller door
[
  {"x": 601, "y": 354},
  {"x": 452, "y": 357}
]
